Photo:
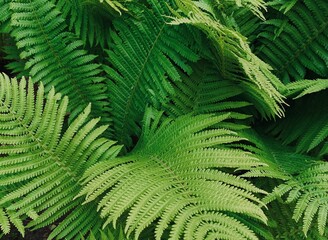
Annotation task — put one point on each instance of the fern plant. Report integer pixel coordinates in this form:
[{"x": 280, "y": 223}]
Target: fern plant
[{"x": 193, "y": 119}]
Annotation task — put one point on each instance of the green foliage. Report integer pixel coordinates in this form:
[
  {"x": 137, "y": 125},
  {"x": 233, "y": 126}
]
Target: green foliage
[
  {"x": 220, "y": 107},
  {"x": 55, "y": 55},
  {"x": 171, "y": 174},
  {"x": 41, "y": 164},
  {"x": 296, "y": 42},
  {"x": 145, "y": 58}
]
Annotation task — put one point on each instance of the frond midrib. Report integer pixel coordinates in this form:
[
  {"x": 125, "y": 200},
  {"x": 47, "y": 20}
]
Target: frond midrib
[
  {"x": 303, "y": 47},
  {"x": 45, "y": 149},
  {"x": 66, "y": 70},
  {"x": 128, "y": 106}
]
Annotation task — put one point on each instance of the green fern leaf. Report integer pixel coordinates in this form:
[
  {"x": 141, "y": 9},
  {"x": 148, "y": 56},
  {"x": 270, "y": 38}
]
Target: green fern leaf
[
  {"x": 4, "y": 222},
  {"x": 304, "y": 87},
  {"x": 41, "y": 167},
  {"x": 143, "y": 63},
  {"x": 55, "y": 56},
  {"x": 304, "y": 179},
  {"x": 174, "y": 180},
  {"x": 300, "y": 44},
  {"x": 235, "y": 58}
]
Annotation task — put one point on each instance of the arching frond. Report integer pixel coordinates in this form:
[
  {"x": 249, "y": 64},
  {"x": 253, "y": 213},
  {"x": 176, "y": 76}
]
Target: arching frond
[
  {"x": 305, "y": 124},
  {"x": 303, "y": 87},
  {"x": 143, "y": 61},
  {"x": 235, "y": 60},
  {"x": 296, "y": 42},
  {"x": 205, "y": 92},
  {"x": 283, "y": 226},
  {"x": 55, "y": 56},
  {"x": 309, "y": 190},
  {"x": 304, "y": 180},
  {"x": 176, "y": 180},
  {"x": 90, "y": 20},
  {"x": 42, "y": 165}
]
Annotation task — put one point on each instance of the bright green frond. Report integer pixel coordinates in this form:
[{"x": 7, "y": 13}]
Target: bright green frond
[
  {"x": 303, "y": 87},
  {"x": 309, "y": 190},
  {"x": 144, "y": 60},
  {"x": 55, "y": 56},
  {"x": 42, "y": 163},
  {"x": 176, "y": 180},
  {"x": 235, "y": 60},
  {"x": 304, "y": 179},
  {"x": 4, "y": 222},
  {"x": 283, "y": 226}
]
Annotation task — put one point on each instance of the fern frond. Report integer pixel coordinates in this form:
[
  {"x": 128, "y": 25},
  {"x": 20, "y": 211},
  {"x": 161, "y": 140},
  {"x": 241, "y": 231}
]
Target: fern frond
[
  {"x": 283, "y": 226},
  {"x": 42, "y": 165},
  {"x": 235, "y": 60},
  {"x": 304, "y": 179},
  {"x": 254, "y": 6},
  {"x": 143, "y": 63},
  {"x": 4, "y": 222},
  {"x": 304, "y": 87},
  {"x": 175, "y": 182},
  {"x": 305, "y": 124},
  {"x": 89, "y": 19},
  {"x": 5, "y": 15},
  {"x": 204, "y": 92},
  {"x": 55, "y": 56},
  {"x": 280, "y": 162},
  {"x": 309, "y": 190},
  {"x": 296, "y": 43}
]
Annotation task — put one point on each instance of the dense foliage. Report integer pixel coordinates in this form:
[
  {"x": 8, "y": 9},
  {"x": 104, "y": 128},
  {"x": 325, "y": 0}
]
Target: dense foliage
[{"x": 171, "y": 119}]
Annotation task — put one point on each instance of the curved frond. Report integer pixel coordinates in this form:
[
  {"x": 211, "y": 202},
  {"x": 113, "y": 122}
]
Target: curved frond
[
  {"x": 205, "y": 92},
  {"x": 55, "y": 56},
  {"x": 296, "y": 42},
  {"x": 303, "y": 87},
  {"x": 176, "y": 180},
  {"x": 235, "y": 60},
  {"x": 283, "y": 226},
  {"x": 309, "y": 190},
  {"x": 143, "y": 62},
  {"x": 304, "y": 180},
  {"x": 305, "y": 124},
  {"x": 42, "y": 165}
]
